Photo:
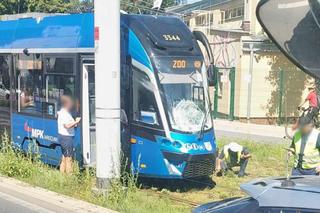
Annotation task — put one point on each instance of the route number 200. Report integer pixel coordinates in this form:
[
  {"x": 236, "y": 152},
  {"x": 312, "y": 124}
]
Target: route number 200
[
  {"x": 179, "y": 64},
  {"x": 171, "y": 37}
]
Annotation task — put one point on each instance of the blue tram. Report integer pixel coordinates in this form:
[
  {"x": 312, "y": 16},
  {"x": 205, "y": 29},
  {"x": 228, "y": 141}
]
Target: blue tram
[{"x": 168, "y": 130}]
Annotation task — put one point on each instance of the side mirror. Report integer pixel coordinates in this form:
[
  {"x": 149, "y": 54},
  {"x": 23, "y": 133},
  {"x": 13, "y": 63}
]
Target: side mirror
[
  {"x": 123, "y": 117},
  {"x": 294, "y": 27},
  {"x": 212, "y": 75}
]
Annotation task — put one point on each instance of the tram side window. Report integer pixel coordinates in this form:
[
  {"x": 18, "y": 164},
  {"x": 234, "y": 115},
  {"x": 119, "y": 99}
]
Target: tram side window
[
  {"x": 145, "y": 108},
  {"x": 59, "y": 81},
  {"x": 56, "y": 86},
  {"x": 4, "y": 81},
  {"x": 29, "y": 83},
  {"x": 60, "y": 65}
]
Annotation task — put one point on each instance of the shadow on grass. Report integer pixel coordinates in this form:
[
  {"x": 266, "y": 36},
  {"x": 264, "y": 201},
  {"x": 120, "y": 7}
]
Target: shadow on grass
[{"x": 175, "y": 185}]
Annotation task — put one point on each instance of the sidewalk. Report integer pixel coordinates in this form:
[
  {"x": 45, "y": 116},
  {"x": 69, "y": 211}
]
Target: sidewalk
[
  {"x": 248, "y": 131},
  {"x": 15, "y": 194}
]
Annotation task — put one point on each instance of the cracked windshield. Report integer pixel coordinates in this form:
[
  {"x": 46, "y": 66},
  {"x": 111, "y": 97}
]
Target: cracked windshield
[{"x": 186, "y": 99}]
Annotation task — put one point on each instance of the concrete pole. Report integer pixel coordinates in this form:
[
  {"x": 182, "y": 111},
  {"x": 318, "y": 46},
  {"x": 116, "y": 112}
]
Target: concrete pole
[
  {"x": 250, "y": 83},
  {"x": 107, "y": 68}
]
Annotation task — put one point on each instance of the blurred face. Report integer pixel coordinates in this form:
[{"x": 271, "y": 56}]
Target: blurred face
[{"x": 68, "y": 103}]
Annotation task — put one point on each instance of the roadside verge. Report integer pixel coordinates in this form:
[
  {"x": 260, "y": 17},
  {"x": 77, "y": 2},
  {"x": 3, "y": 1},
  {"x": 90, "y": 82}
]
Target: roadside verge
[{"x": 41, "y": 199}]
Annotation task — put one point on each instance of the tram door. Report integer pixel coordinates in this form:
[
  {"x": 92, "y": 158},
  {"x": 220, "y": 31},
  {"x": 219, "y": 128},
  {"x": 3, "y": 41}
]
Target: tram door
[
  {"x": 5, "y": 87},
  {"x": 88, "y": 114}
]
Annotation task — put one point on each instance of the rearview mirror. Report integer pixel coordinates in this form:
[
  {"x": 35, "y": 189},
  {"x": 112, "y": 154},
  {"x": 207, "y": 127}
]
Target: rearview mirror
[{"x": 294, "y": 28}]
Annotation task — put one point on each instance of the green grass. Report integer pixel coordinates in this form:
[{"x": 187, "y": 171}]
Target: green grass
[
  {"x": 268, "y": 160},
  {"x": 80, "y": 184}
]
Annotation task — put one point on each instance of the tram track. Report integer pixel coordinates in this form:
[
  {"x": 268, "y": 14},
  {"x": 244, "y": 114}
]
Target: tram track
[{"x": 175, "y": 198}]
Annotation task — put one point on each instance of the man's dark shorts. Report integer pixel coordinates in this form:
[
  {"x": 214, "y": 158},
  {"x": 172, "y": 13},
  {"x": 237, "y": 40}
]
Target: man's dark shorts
[{"x": 66, "y": 145}]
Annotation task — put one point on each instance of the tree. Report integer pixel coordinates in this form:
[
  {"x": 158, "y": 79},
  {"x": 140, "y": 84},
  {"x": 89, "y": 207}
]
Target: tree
[
  {"x": 44, "y": 6},
  {"x": 168, "y": 3},
  {"x": 80, "y": 6},
  {"x": 48, "y": 6},
  {"x": 12, "y": 6},
  {"x": 74, "y": 6}
]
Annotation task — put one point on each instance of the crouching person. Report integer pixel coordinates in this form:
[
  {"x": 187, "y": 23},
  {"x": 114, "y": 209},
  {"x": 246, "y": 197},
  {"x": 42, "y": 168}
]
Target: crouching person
[
  {"x": 66, "y": 133},
  {"x": 232, "y": 155}
]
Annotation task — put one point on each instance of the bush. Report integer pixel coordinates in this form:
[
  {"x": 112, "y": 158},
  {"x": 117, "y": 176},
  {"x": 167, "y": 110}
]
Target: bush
[{"x": 14, "y": 164}]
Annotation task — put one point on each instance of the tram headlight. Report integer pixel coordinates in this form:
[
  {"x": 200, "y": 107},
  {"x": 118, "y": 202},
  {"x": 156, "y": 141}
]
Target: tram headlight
[{"x": 166, "y": 142}]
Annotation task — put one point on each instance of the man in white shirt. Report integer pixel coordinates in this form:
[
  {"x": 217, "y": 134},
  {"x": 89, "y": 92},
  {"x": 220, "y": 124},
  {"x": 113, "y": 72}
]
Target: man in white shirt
[{"x": 66, "y": 125}]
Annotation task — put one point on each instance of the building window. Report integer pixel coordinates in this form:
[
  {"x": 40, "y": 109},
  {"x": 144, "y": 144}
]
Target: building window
[
  {"x": 204, "y": 20},
  {"x": 233, "y": 13},
  {"x": 200, "y": 20}
]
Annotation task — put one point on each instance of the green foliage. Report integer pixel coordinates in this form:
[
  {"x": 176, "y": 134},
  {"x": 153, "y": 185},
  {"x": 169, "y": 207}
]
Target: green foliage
[
  {"x": 168, "y": 3},
  {"x": 73, "y": 6},
  {"x": 12, "y": 6},
  {"x": 15, "y": 164},
  {"x": 44, "y": 6},
  {"x": 123, "y": 195}
]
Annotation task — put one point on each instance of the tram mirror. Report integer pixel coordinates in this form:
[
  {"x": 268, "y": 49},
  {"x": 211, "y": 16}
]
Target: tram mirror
[
  {"x": 212, "y": 76},
  {"x": 294, "y": 27},
  {"x": 149, "y": 117},
  {"x": 123, "y": 117}
]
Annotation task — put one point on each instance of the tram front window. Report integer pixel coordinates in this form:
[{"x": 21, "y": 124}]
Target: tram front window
[
  {"x": 144, "y": 103},
  {"x": 187, "y": 105}
]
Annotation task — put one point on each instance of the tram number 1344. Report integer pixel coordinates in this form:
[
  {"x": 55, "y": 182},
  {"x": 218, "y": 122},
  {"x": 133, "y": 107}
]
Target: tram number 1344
[{"x": 171, "y": 37}]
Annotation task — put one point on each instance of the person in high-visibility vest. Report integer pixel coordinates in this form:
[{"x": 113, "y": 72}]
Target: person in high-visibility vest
[
  {"x": 230, "y": 156},
  {"x": 305, "y": 147}
]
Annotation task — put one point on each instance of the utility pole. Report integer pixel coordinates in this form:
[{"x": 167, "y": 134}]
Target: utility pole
[
  {"x": 250, "y": 82},
  {"x": 107, "y": 68}
]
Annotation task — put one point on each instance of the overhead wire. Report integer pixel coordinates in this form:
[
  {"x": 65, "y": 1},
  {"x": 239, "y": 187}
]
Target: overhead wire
[{"x": 145, "y": 8}]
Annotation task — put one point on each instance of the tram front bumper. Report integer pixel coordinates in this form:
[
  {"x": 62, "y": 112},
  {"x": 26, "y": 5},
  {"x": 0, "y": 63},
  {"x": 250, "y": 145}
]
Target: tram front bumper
[{"x": 192, "y": 166}]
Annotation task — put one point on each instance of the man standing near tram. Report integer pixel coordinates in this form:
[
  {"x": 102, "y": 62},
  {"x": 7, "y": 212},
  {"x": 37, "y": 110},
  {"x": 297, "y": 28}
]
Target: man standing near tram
[
  {"x": 306, "y": 149},
  {"x": 66, "y": 133}
]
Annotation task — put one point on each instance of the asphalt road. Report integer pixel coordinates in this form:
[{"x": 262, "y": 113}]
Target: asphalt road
[
  {"x": 9, "y": 204},
  {"x": 12, "y": 201},
  {"x": 243, "y": 136},
  {"x": 18, "y": 197}
]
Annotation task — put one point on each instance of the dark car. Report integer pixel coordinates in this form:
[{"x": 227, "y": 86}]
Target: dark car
[{"x": 271, "y": 195}]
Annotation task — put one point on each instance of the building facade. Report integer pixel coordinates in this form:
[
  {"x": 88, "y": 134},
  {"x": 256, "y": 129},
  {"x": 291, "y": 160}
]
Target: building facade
[{"x": 256, "y": 82}]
